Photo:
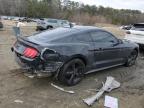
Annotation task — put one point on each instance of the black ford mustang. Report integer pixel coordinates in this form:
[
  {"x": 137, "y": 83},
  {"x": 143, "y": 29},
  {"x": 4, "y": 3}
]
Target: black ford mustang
[{"x": 69, "y": 53}]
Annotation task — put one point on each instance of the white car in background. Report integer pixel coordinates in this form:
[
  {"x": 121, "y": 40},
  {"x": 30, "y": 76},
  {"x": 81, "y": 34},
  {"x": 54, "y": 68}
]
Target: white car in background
[
  {"x": 136, "y": 34},
  {"x": 44, "y": 24}
]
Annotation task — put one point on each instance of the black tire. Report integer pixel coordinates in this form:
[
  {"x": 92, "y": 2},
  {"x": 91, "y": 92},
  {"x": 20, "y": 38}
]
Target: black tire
[
  {"x": 49, "y": 27},
  {"x": 37, "y": 29},
  {"x": 72, "y": 72},
  {"x": 141, "y": 48},
  {"x": 132, "y": 58}
]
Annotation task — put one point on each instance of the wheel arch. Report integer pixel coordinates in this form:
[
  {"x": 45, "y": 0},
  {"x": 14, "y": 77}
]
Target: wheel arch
[
  {"x": 78, "y": 56},
  {"x": 49, "y": 26},
  {"x": 136, "y": 49}
]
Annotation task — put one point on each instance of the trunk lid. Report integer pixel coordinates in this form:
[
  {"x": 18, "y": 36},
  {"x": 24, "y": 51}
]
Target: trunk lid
[{"x": 22, "y": 45}]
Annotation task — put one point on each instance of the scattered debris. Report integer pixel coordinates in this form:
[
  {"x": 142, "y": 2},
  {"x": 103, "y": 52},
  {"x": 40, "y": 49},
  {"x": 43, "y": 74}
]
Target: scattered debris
[
  {"x": 29, "y": 75},
  {"x": 142, "y": 58},
  {"x": 109, "y": 85},
  {"x": 62, "y": 89},
  {"x": 111, "y": 102},
  {"x": 18, "y": 101},
  {"x": 96, "y": 80},
  {"x": 91, "y": 90}
]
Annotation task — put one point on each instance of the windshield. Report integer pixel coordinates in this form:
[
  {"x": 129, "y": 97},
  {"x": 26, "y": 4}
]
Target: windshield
[{"x": 138, "y": 27}]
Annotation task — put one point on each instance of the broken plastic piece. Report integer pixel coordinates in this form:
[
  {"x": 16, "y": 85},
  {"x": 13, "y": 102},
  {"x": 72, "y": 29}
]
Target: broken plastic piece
[
  {"x": 62, "y": 89},
  {"x": 18, "y": 101},
  {"x": 109, "y": 85}
]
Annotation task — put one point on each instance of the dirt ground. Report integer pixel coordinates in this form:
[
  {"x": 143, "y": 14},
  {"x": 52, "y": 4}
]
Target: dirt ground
[{"x": 38, "y": 93}]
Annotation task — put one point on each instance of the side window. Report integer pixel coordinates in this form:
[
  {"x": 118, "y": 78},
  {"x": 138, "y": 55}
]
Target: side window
[
  {"x": 82, "y": 38},
  {"x": 52, "y": 21},
  {"x": 64, "y": 22},
  {"x": 64, "y": 40},
  {"x": 102, "y": 36},
  {"x": 75, "y": 38}
]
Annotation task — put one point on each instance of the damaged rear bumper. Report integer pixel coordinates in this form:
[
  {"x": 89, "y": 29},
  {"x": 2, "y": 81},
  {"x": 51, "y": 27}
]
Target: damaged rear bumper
[{"x": 37, "y": 67}]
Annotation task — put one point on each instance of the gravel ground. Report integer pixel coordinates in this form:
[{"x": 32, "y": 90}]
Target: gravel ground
[{"x": 38, "y": 93}]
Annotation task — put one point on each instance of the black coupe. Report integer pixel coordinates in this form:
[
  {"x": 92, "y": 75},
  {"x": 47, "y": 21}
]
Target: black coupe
[{"x": 69, "y": 53}]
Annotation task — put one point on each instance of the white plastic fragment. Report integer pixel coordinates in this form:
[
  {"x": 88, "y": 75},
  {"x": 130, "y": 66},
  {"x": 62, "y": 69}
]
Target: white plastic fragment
[
  {"x": 62, "y": 89},
  {"x": 111, "y": 102},
  {"x": 31, "y": 76},
  {"x": 18, "y": 101},
  {"x": 109, "y": 85}
]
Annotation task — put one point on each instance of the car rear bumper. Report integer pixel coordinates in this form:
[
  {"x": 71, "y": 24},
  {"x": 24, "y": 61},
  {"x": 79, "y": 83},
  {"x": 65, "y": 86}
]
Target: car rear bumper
[{"x": 37, "y": 66}]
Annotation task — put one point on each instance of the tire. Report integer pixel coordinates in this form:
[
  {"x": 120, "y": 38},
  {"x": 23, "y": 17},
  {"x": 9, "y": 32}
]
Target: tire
[
  {"x": 141, "y": 47},
  {"x": 72, "y": 72},
  {"x": 49, "y": 27},
  {"x": 37, "y": 29},
  {"x": 132, "y": 58}
]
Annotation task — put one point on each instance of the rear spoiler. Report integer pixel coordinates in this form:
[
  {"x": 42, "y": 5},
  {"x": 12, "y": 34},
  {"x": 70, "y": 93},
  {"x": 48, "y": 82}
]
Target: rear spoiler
[{"x": 25, "y": 40}]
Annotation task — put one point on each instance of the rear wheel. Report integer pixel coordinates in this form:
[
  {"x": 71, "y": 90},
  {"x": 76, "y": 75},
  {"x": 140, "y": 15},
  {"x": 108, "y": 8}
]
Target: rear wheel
[
  {"x": 72, "y": 72},
  {"x": 49, "y": 27},
  {"x": 132, "y": 58}
]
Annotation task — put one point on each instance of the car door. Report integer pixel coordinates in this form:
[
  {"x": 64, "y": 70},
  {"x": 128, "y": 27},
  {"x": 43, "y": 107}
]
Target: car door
[
  {"x": 87, "y": 48},
  {"x": 107, "y": 49}
]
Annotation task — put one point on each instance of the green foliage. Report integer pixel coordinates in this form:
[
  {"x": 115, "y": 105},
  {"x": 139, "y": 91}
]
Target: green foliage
[{"x": 74, "y": 11}]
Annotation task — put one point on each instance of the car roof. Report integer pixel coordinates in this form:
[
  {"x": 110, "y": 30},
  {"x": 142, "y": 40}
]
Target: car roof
[
  {"x": 85, "y": 28},
  {"x": 50, "y": 35}
]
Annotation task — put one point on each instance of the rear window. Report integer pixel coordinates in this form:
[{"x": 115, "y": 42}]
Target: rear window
[
  {"x": 75, "y": 38},
  {"x": 51, "y": 35}
]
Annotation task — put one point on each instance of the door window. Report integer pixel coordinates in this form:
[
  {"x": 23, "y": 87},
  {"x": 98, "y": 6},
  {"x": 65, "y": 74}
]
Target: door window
[
  {"x": 52, "y": 21},
  {"x": 82, "y": 38},
  {"x": 102, "y": 36}
]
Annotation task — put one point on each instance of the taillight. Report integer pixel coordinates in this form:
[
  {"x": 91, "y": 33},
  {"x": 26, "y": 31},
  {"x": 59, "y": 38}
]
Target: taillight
[
  {"x": 30, "y": 52},
  {"x": 128, "y": 32}
]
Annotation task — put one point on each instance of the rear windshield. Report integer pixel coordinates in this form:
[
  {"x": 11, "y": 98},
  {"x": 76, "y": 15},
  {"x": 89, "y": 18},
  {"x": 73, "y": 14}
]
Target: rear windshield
[{"x": 51, "y": 35}]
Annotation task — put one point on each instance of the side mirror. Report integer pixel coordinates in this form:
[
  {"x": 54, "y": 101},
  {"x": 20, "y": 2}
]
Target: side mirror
[{"x": 119, "y": 41}]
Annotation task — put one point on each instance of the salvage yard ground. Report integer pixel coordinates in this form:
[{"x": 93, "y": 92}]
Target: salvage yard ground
[{"x": 38, "y": 93}]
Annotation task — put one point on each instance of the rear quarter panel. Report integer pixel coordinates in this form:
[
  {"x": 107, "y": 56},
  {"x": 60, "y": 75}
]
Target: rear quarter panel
[
  {"x": 128, "y": 47},
  {"x": 69, "y": 51}
]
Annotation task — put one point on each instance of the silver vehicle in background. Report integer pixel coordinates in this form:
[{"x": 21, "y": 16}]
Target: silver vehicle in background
[
  {"x": 136, "y": 34},
  {"x": 1, "y": 24},
  {"x": 44, "y": 24}
]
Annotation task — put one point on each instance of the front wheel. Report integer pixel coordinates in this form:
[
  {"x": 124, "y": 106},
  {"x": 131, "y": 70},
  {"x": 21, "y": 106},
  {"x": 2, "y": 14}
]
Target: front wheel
[
  {"x": 132, "y": 58},
  {"x": 72, "y": 72}
]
